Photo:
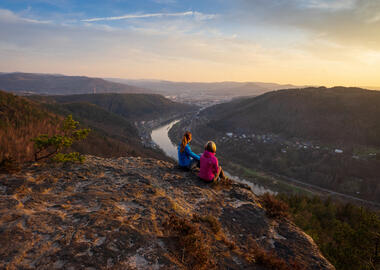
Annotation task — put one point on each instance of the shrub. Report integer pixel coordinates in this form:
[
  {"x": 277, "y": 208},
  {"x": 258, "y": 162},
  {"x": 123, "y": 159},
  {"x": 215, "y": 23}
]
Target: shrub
[
  {"x": 8, "y": 165},
  {"x": 68, "y": 157},
  {"x": 195, "y": 248},
  {"x": 269, "y": 259},
  {"x": 210, "y": 220},
  {"x": 51, "y": 146},
  {"x": 275, "y": 208}
]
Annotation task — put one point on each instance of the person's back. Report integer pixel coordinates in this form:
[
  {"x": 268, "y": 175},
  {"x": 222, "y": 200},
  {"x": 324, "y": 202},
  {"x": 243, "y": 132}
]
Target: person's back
[
  {"x": 186, "y": 158},
  {"x": 208, "y": 166}
]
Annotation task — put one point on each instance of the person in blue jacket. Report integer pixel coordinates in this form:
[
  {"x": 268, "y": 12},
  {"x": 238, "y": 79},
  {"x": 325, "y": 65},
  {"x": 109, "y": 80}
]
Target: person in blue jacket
[{"x": 186, "y": 158}]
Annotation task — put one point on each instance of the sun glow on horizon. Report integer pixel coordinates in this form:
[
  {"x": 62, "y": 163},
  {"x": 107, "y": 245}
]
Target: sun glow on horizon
[{"x": 302, "y": 42}]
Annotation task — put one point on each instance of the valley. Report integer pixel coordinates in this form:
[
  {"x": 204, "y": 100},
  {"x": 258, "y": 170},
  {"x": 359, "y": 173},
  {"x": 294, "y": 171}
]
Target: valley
[
  {"x": 311, "y": 147},
  {"x": 190, "y": 135},
  {"x": 270, "y": 179},
  {"x": 291, "y": 162},
  {"x": 115, "y": 121},
  {"x": 204, "y": 94}
]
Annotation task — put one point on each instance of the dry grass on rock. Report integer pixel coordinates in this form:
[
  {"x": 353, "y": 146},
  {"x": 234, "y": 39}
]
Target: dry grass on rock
[
  {"x": 274, "y": 207},
  {"x": 195, "y": 249},
  {"x": 134, "y": 213}
]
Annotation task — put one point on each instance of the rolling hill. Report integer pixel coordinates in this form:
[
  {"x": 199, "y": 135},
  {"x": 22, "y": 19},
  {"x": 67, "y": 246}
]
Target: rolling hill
[
  {"x": 332, "y": 115},
  {"x": 216, "y": 88},
  {"x": 130, "y": 106},
  {"x": 113, "y": 117},
  {"x": 20, "y": 121},
  {"x": 113, "y": 135},
  {"x": 204, "y": 94},
  {"x": 32, "y": 83},
  {"x": 324, "y": 137}
]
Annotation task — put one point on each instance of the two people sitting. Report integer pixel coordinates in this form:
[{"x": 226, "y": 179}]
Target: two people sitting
[{"x": 209, "y": 169}]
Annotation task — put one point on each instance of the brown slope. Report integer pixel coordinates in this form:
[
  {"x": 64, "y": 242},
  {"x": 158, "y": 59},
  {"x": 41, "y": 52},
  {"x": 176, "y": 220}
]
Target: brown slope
[
  {"x": 20, "y": 121},
  {"x": 133, "y": 213}
]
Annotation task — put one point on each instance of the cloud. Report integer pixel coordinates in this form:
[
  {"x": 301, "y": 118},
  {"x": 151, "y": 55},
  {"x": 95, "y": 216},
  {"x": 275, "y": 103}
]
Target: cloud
[
  {"x": 351, "y": 23},
  {"x": 6, "y": 15},
  {"x": 374, "y": 19},
  {"x": 330, "y": 5},
  {"x": 197, "y": 15},
  {"x": 191, "y": 49},
  {"x": 101, "y": 41},
  {"x": 94, "y": 50}
]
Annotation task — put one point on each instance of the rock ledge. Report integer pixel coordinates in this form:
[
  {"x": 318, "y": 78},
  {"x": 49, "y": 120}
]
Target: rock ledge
[{"x": 113, "y": 214}]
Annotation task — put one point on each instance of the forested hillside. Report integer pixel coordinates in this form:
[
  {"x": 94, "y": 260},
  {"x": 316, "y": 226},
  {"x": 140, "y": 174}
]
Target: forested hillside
[
  {"x": 33, "y": 83},
  {"x": 324, "y": 137},
  {"x": 22, "y": 119},
  {"x": 130, "y": 106},
  {"x": 332, "y": 115},
  {"x": 111, "y": 136},
  {"x": 348, "y": 235}
]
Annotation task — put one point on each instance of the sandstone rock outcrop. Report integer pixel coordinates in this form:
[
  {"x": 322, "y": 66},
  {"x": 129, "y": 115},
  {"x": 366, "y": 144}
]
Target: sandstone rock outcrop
[{"x": 134, "y": 213}]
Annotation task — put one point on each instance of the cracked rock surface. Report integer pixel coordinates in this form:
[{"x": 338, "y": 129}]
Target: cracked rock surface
[{"x": 110, "y": 214}]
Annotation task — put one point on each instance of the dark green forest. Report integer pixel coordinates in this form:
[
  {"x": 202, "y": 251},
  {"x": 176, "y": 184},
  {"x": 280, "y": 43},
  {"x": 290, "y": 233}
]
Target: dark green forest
[
  {"x": 110, "y": 116},
  {"x": 323, "y": 168},
  {"x": 337, "y": 115},
  {"x": 347, "y": 235},
  {"x": 130, "y": 106},
  {"x": 304, "y": 127}
]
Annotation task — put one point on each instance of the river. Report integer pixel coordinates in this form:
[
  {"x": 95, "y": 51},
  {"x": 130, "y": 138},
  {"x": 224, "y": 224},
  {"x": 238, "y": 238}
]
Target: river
[{"x": 161, "y": 138}]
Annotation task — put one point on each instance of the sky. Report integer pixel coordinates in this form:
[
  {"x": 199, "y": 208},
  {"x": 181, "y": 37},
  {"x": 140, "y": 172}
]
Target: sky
[{"x": 302, "y": 42}]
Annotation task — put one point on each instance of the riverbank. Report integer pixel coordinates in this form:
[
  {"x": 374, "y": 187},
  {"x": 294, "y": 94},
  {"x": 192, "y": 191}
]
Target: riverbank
[
  {"x": 160, "y": 137},
  {"x": 145, "y": 128},
  {"x": 237, "y": 165}
]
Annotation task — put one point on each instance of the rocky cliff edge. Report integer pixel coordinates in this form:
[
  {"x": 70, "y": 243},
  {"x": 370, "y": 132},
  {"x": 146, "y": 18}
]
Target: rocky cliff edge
[{"x": 134, "y": 213}]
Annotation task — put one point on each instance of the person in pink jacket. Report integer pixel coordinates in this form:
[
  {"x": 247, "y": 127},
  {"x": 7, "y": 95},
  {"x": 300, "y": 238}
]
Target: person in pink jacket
[{"x": 210, "y": 170}]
